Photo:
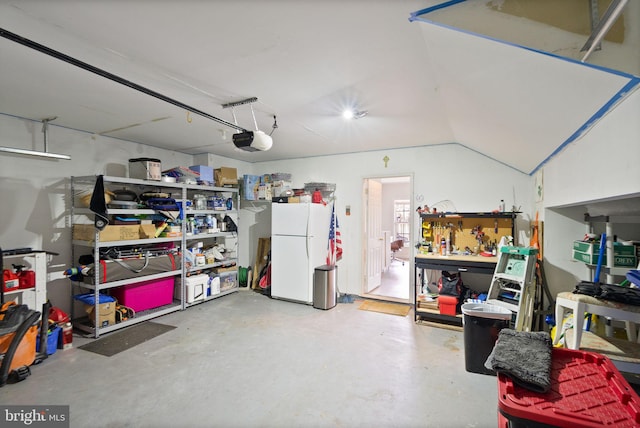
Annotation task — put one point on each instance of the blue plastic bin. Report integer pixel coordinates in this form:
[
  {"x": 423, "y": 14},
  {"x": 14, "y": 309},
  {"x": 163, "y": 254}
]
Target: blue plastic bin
[{"x": 52, "y": 341}]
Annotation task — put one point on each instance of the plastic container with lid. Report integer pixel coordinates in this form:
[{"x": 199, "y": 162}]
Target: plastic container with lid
[
  {"x": 587, "y": 391},
  {"x": 486, "y": 310},
  {"x": 200, "y": 202}
]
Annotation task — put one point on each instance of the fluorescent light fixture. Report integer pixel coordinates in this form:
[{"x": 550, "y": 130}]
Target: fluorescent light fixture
[
  {"x": 34, "y": 153},
  {"x": 45, "y": 154}
]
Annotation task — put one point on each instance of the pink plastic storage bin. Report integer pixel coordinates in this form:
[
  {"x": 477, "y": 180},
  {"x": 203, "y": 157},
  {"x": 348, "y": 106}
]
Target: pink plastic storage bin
[{"x": 146, "y": 294}]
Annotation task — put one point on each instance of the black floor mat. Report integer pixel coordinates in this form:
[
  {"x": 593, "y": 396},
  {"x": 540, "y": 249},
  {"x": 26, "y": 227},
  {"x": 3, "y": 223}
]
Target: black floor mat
[{"x": 114, "y": 343}]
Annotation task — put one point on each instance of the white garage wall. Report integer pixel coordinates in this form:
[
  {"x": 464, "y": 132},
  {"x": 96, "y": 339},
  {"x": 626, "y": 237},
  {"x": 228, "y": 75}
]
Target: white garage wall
[
  {"x": 35, "y": 190},
  {"x": 602, "y": 165},
  {"x": 447, "y": 172}
]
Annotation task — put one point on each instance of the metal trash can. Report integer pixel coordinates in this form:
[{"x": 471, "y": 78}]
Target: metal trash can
[
  {"x": 324, "y": 286},
  {"x": 482, "y": 323}
]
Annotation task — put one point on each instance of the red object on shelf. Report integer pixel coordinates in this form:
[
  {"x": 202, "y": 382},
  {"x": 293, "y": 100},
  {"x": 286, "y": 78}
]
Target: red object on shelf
[
  {"x": 587, "y": 391},
  {"x": 27, "y": 278},
  {"x": 447, "y": 304},
  {"x": 11, "y": 280}
]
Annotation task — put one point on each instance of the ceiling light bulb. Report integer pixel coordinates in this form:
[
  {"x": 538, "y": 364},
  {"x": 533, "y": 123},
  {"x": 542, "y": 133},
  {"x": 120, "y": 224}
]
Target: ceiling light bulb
[{"x": 348, "y": 114}]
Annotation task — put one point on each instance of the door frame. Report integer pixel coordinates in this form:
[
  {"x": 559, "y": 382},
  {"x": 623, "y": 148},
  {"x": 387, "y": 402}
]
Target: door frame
[{"x": 412, "y": 235}]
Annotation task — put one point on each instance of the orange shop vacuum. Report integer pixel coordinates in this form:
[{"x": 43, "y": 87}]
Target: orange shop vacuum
[{"x": 18, "y": 332}]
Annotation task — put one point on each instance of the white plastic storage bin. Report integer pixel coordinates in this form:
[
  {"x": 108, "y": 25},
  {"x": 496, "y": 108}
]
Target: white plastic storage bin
[{"x": 196, "y": 288}]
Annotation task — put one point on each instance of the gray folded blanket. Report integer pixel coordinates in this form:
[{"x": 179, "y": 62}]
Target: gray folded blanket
[{"x": 523, "y": 356}]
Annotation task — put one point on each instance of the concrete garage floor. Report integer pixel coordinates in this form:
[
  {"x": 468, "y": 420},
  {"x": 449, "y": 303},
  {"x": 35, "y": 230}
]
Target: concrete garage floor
[{"x": 245, "y": 360}]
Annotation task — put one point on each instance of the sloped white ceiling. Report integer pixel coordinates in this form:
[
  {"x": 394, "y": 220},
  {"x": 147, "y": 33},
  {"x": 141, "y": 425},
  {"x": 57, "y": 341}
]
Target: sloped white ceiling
[
  {"x": 422, "y": 83},
  {"x": 561, "y": 28},
  {"x": 518, "y": 105}
]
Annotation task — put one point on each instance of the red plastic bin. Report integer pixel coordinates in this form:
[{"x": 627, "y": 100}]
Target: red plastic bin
[
  {"x": 146, "y": 294},
  {"x": 587, "y": 391}
]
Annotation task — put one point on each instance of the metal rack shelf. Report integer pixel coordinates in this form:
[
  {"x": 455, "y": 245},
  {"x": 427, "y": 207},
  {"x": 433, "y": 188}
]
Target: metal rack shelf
[{"x": 181, "y": 192}]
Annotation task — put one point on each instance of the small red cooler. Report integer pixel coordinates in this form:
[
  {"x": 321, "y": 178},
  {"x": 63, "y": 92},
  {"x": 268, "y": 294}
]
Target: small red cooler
[
  {"x": 587, "y": 391},
  {"x": 146, "y": 294},
  {"x": 448, "y": 305}
]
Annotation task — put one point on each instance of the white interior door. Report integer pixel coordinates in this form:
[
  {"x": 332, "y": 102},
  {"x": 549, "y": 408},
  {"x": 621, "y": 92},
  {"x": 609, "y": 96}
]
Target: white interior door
[{"x": 374, "y": 238}]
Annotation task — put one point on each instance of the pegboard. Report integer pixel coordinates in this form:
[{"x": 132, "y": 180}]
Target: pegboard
[{"x": 462, "y": 230}]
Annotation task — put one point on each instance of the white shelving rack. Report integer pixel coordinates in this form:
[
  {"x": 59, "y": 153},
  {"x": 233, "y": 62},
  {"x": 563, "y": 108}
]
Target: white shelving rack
[
  {"x": 216, "y": 238},
  {"x": 36, "y": 296},
  {"x": 610, "y": 270}
]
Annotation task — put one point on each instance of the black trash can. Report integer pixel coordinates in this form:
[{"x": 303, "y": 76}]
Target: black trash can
[
  {"x": 324, "y": 286},
  {"x": 482, "y": 323}
]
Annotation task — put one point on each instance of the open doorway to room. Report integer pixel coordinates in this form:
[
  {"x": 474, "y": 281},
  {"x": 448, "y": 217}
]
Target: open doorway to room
[{"x": 388, "y": 238}]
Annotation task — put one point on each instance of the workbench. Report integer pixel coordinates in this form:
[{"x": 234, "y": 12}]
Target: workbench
[{"x": 453, "y": 263}]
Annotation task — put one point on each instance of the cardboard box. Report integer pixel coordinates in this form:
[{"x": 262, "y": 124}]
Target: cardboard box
[
  {"x": 618, "y": 261},
  {"x": 106, "y": 314},
  {"x": 147, "y": 231},
  {"x": 225, "y": 176},
  {"x": 587, "y": 252},
  {"x": 86, "y": 232},
  {"x": 593, "y": 248},
  {"x": 206, "y": 172},
  {"x": 264, "y": 192},
  {"x": 286, "y": 199},
  {"x": 220, "y": 270}
]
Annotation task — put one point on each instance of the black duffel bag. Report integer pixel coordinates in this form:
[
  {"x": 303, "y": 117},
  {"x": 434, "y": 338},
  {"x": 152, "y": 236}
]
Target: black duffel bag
[{"x": 611, "y": 292}]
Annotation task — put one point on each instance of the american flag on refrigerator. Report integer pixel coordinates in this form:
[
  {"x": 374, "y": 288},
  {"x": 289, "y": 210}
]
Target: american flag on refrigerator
[{"x": 335, "y": 240}]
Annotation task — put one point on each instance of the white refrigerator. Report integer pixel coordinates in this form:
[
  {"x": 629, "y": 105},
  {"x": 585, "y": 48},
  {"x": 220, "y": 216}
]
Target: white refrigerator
[{"x": 299, "y": 244}]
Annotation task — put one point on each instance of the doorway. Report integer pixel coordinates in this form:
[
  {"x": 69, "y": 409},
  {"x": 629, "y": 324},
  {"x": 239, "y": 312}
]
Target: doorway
[{"x": 389, "y": 236}]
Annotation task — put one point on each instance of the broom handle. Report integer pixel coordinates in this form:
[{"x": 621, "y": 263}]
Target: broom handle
[{"x": 603, "y": 245}]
